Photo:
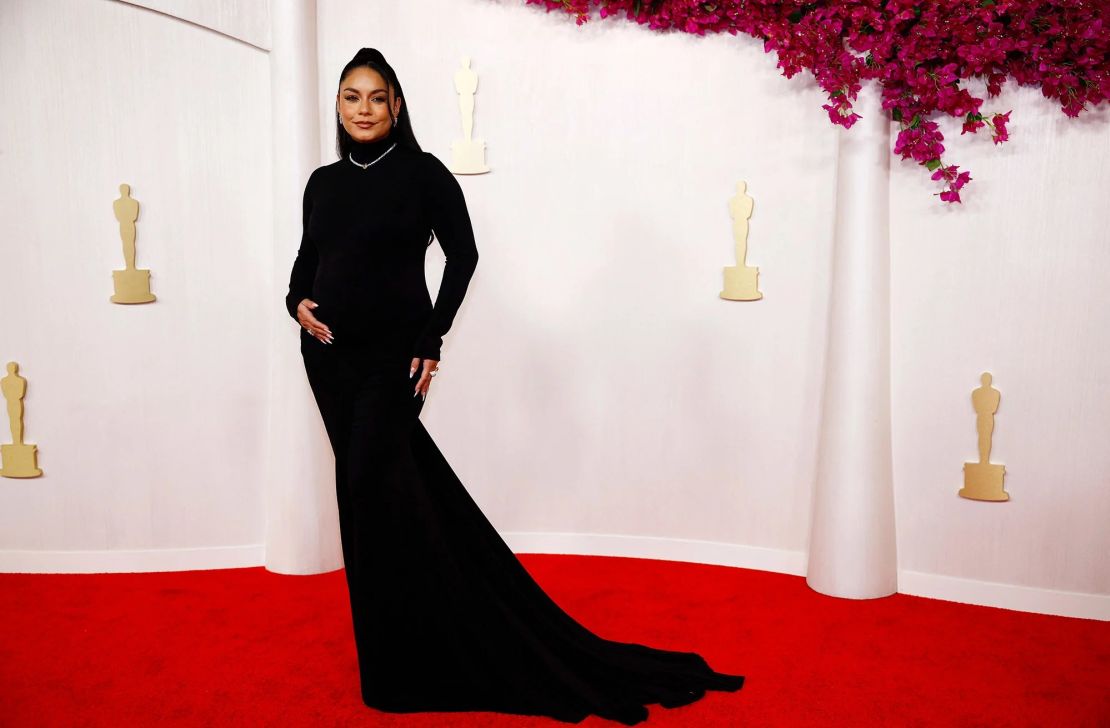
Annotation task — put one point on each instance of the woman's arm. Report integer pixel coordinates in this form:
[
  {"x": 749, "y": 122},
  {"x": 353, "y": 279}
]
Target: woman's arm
[
  {"x": 452, "y": 228},
  {"x": 304, "y": 267}
]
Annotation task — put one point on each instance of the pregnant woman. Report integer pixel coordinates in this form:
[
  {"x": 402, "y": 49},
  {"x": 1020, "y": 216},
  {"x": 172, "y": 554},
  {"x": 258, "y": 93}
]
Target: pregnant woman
[{"x": 445, "y": 616}]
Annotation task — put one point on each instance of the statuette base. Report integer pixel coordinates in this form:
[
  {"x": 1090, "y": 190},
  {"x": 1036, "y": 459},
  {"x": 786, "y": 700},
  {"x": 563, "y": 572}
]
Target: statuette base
[
  {"x": 741, "y": 284},
  {"x": 983, "y": 481},
  {"x": 132, "y": 286},
  {"x": 468, "y": 157},
  {"x": 19, "y": 461}
]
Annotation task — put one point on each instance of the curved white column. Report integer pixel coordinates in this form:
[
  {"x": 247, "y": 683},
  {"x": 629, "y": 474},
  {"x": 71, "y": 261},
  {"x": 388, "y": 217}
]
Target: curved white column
[
  {"x": 852, "y": 548},
  {"x": 302, "y": 525}
]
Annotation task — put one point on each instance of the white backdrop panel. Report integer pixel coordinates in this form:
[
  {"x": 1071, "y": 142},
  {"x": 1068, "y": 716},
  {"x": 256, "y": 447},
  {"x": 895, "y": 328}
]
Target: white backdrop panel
[
  {"x": 149, "y": 417},
  {"x": 1013, "y": 281}
]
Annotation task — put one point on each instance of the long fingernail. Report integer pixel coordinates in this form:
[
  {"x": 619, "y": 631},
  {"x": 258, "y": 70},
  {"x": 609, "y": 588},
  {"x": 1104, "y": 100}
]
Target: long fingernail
[
  {"x": 424, "y": 396},
  {"x": 412, "y": 371}
]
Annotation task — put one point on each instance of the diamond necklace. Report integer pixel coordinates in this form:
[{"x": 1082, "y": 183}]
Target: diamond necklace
[{"x": 364, "y": 166}]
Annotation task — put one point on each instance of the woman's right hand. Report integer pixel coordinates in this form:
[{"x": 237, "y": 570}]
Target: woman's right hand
[{"x": 317, "y": 329}]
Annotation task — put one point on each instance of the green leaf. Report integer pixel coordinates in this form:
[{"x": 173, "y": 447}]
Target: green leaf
[
  {"x": 986, "y": 3},
  {"x": 915, "y": 121},
  {"x": 932, "y": 165},
  {"x": 896, "y": 114}
]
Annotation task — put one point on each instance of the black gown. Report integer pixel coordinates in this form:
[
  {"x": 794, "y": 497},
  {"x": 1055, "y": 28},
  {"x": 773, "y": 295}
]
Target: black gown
[{"x": 445, "y": 616}]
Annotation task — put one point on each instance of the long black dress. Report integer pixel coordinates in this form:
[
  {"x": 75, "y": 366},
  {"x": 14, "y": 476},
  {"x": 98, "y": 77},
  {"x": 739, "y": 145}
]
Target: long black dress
[{"x": 445, "y": 616}]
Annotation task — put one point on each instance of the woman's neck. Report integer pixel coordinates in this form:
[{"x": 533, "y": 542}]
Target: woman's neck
[{"x": 369, "y": 151}]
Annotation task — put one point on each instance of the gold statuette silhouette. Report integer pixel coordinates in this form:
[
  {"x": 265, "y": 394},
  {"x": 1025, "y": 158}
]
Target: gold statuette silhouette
[
  {"x": 18, "y": 459},
  {"x": 468, "y": 155},
  {"x": 983, "y": 480},
  {"x": 741, "y": 281},
  {"x": 131, "y": 284}
]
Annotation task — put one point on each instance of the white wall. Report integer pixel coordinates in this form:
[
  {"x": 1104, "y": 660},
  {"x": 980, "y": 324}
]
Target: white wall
[
  {"x": 1012, "y": 282},
  {"x": 148, "y": 418},
  {"x": 596, "y": 394}
]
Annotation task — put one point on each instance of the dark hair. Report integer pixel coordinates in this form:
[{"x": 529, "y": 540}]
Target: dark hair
[{"x": 402, "y": 130}]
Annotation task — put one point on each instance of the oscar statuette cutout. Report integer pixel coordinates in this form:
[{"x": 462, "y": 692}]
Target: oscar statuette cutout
[
  {"x": 983, "y": 480},
  {"x": 468, "y": 155},
  {"x": 17, "y": 460},
  {"x": 741, "y": 281},
  {"x": 131, "y": 285}
]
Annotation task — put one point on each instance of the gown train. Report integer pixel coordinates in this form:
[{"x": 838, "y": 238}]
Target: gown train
[{"x": 445, "y": 616}]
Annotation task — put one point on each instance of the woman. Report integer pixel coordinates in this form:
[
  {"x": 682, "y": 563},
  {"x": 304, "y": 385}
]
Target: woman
[{"x": 445, "y": 617}]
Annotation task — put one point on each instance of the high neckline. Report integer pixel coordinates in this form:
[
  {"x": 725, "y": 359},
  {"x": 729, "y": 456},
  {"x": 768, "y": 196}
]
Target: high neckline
[{"x": 364, "y": 152}]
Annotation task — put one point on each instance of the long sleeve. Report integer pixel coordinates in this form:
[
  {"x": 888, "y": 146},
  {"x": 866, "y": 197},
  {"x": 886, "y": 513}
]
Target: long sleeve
[
  {"x": 304, "y": 267},
  {"x": 452, "y": 227}
]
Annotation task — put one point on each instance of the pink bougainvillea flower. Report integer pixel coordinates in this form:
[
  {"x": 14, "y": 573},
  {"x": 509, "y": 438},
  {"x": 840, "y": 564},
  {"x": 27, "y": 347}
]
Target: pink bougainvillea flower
[
  {"x": 998, "y": 122},
  {"x": 973, "y": 123},
  {"x": 841, "y": 114}
]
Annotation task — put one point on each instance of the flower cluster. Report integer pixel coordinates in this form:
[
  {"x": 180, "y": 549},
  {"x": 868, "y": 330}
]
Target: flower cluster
[{"x": 919, "y": 51}]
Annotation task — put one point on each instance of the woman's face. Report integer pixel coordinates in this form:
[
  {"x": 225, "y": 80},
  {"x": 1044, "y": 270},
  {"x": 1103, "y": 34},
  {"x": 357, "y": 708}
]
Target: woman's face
[{"x": 364, "y": 103}]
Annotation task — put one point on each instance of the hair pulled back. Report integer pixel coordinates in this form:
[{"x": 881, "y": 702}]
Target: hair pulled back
[{"x": 402, "y": 130}]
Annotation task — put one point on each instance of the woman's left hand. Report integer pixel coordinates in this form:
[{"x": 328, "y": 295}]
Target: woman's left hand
[{"x": 426, "y": 374}]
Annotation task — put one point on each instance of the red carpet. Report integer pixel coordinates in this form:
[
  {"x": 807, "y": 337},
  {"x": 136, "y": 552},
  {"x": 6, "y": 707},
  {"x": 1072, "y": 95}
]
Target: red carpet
[{"x": 245, "y": 647}]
